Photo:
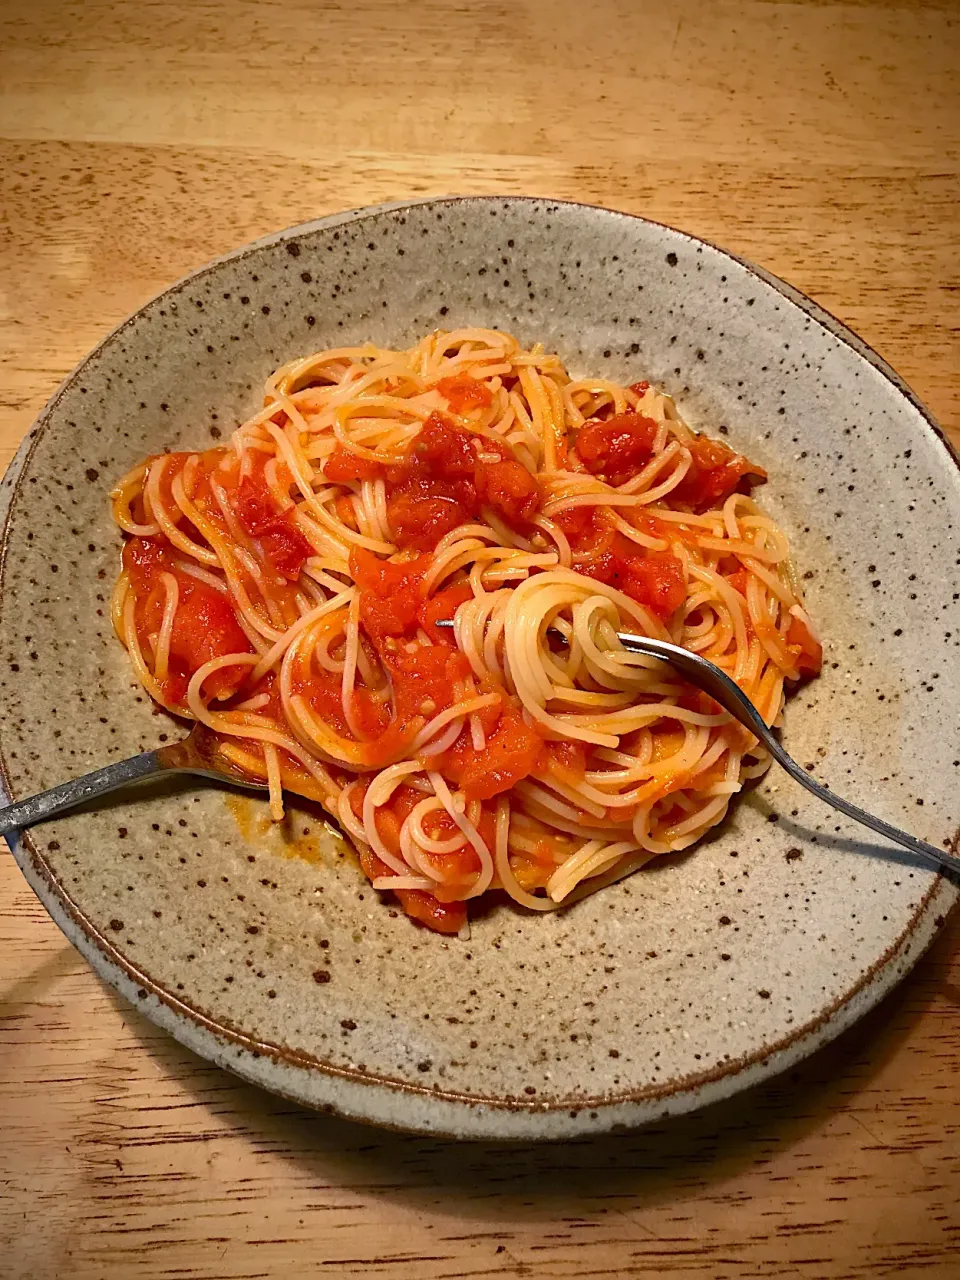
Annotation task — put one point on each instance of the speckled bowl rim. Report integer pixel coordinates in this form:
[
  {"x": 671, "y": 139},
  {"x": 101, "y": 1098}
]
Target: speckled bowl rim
[{"x": 364, "y": 1096}]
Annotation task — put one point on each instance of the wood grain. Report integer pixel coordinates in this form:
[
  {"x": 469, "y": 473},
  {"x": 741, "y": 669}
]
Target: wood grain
[{"x": 137, "y": 141}]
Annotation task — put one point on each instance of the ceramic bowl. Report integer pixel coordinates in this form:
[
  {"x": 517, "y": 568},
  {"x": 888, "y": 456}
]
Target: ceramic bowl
[{"x": 267, "y": 951}]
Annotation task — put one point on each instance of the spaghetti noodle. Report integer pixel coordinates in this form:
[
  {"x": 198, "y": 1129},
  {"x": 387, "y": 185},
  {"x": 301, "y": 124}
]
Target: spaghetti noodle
[{"x": 285, "y": 590}]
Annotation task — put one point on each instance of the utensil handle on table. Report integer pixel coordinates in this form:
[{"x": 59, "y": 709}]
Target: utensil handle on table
[{"x": 25, "y": 813}]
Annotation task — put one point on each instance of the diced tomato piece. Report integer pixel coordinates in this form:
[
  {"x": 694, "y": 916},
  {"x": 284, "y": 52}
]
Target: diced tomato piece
[
  {"x": 808, "y": 650},
  {"x": 715, "y": 472},
  {"x": 511, "y": 754},
  {"x": 283, "y": 545},
  {"x": 457, "y": 868},
  {"x": 391, "y": 616},
  {"x": 455, "y": 761},
  {"x": 585, "y": 525},
  {"x": 566, "y": 760},
  {"x": 421, "y": 522},
  {"x": 739, "y": 580},
  {"x": 206, "y": 627},
  {"x": 441, "y": 917},
  {"x": 640, "y": 388},
  {"x": 392, "y": 815},
  {"x": 144, "y": 559},
  {"x": 533, "y": 867},
  {"x": 655, "y": 581},
  {"x": 431, "y": 491},
  {"x": 591, "y": 534},
  {"x": 447, "y": 449},
  {"x": 255, "y": 508},
  {"x": 389, "y": 593},
  {"x": 463, "y": 392},
  {"x": 509, "y": 488},
  {"x": 445, "y": 476},
  {"x": 286, "y": 548},
  {"x": 618, "y": 448},
  {"x": 343, "y": 466},
  {"x": 175, "y": 686},
  {"x": 443, "y": 605},
  {"x": 424, "y": 681},
  {"x": 324, "y": 692},
  {"x": 370, "y": 573}
]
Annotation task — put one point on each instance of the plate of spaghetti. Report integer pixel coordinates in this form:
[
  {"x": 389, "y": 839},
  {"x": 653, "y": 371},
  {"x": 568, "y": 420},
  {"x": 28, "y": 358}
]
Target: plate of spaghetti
[
  {"x": 370, "y": 501},
  {"x": 285, "y": 590}
]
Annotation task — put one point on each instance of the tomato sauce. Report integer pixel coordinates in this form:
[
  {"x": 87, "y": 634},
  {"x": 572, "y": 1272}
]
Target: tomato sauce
[
  {"x": 281, "y": 544},
  {"x": 616, "y": 448},
  {"x": 206, "y": 626},
  {"x": 805, "y": 647},
  {"x": 715, "y": 472},
  {"x": 654, "y": 579},
  {"x": 448, "y": 476},
  {"x": 463, "y": 393}
]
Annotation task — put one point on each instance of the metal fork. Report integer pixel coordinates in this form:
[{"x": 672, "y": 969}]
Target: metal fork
[
  {"x": 708, "y": 677},
  {"x": 196, "y": 754}
]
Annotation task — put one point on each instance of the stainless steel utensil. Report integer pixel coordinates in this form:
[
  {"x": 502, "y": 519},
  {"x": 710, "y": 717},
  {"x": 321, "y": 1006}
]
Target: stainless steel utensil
[
  {"x": 195, "y": 754},
  {"x": 708, "y": 677}
]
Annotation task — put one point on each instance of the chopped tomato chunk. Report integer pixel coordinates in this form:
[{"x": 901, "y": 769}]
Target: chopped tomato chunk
[
  {"x": 255, "y": 508},
  {"x": 421, "y": 522},
  {"x": 424, "y": 680},
  {"x": 389, "y": 593},
  {"x": 323, "y": 690},
  {"x": 566, "y": 760},
  {"x": 425, "y": 908},
  {"x": 206, "y": 628},
  {"x": 443, "y": 605},
  {"x": 343, "y": 466},
  {"x": 286, "y": 548},
  {"x": 509, "y": 488},
  {"x": 807, "y": 649},
  {"x": 715, "y": 472},
  {"x": 464, "y": 392},
  {"x": 441, "y": 917},
  {"x": 205, "y": 625},
  {"x": 511, "y": 754},
  {"x": 446, "y": 450},
  {"x": 283, "y": 546},
  {"x": 444, "y": 479},
  {"x": 618, "y": 448},
  {"x": 655, "y": 581}
]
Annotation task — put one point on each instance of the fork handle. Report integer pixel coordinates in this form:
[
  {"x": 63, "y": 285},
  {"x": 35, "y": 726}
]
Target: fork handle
[
  {"x": 940, "y": 856},
  {"x": 47, "y": 804}
]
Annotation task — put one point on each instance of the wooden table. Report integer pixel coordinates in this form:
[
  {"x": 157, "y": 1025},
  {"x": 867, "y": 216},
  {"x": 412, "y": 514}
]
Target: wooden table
[{"x": 137, "y": 141}]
